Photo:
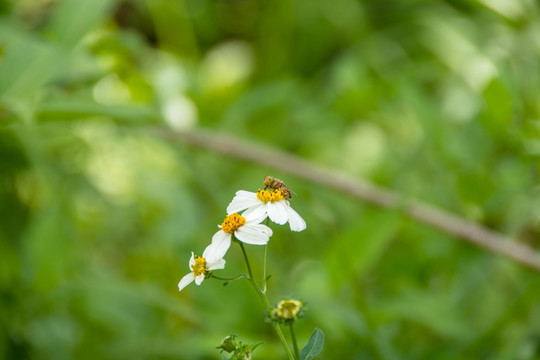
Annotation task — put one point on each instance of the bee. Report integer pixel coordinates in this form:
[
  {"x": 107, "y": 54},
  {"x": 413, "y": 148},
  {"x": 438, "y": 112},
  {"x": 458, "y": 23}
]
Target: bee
[{"x": 276, "y": 184}]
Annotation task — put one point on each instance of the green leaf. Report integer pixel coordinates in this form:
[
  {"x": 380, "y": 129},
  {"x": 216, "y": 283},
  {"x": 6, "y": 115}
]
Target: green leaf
[
  {"x": 73, "y": 19},
  {"x": 314, "y": 346},
  {"x": 28, "y": 64}
]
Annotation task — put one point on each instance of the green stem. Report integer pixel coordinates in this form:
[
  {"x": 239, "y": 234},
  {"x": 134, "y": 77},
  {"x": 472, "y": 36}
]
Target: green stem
[
  {"x": 264, "y": 263},
  {"x": 264, "y": 299},
  {"x": 264, "y": 270},
  {"x": 293, "y": 338},
  {"x": 283, "y": 341},
  {"x": 246, "y": 259},
  {"x": 228, "y": 280}
]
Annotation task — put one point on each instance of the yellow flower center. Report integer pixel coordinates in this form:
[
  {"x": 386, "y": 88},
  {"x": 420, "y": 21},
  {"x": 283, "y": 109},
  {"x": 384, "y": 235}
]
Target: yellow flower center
[
  {"x": 288, "y": 309},
  {"x": 199, "y": 267},
  {"x": 232, "y": 223},
  {"x": 269, "y": 196}
]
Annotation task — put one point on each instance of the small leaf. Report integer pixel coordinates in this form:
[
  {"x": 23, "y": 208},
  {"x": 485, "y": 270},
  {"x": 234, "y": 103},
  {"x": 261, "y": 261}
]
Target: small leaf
[{"x": 314, "y": 345}]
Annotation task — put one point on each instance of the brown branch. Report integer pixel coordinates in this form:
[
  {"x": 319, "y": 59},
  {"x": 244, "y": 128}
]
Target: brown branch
[{"x": 361, "y": 189}]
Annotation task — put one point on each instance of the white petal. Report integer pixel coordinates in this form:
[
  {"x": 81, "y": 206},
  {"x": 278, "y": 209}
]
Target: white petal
[
  {"x": 186, "y": 280},
  {"x": 199, "y": 279},
  {"x": 277, "y": 212},
  {"x": 191, "y": 260},
  {"x": 221, "y": 241},
  {"x": 295, "y": 221},
  {"x": 255, "y": 234},
  {"x": 256, "y": 212},
  {"x": 259, "y": 227},
  {"x": 212, "y": 253},
  {"x": 246, "y": 194},
  {"x": 252, "y": 218},
  {"x": 216, "y": 265},
  {"x": 264, "y": 229},
  {"x": 242, "y": 200}
]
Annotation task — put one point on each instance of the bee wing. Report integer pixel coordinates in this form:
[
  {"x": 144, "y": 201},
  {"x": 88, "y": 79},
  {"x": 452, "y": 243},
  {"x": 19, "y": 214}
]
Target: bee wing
[{"x": 291, "y": 191}]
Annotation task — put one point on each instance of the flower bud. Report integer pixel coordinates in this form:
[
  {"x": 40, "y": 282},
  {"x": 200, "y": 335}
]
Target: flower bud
[
  {"x": 288, "y": 310},
  {"x": 228, "y": 344},
  {"x": 239, "y": 350}
]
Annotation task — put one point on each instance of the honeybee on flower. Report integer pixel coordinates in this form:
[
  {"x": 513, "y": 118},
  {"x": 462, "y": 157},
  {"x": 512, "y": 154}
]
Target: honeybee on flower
[
  {"x": 268, "y": 203},
  {"x": 276, "y": 184}
]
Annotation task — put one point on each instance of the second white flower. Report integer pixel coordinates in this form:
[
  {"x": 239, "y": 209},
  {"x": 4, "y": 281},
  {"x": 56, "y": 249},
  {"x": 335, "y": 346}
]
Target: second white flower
[{"x": 245, "y": 228}]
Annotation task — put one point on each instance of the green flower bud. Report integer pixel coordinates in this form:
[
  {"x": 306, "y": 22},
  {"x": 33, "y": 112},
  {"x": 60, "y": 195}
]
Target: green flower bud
[
  {"x": 228, "y": 344},
  {"x": 239, "y": 350}
]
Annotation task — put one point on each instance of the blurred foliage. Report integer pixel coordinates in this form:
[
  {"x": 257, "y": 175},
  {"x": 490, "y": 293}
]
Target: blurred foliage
[{"x": 435, "y": 99}]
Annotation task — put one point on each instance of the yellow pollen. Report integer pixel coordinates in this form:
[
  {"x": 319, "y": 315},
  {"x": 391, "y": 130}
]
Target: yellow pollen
[
  {"x": 199, "y": 267},
  {"x": 232, "y": 223},
  {"x": 269, "y": 196}
]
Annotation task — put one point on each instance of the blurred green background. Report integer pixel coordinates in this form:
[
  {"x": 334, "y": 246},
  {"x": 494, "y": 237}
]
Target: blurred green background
[{"x": 438, "y": 100}]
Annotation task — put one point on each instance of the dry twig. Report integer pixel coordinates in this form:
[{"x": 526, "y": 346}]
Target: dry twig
[{"x": 361, "y": 189}]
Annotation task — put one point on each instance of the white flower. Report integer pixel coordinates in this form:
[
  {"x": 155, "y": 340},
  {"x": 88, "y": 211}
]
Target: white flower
[
  {"x": 245, "y": 229},
  {"x": 265, "y": 203},
  {"x": 200, "y": 266}
]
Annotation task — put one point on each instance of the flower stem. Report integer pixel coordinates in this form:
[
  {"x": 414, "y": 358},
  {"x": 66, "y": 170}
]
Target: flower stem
[
  {"x": 293, "y": 338},
  {"x": 283, "y": 341},
  {"x": 264, "y": 299},
  {"x": 264, "y": 270},
  {"x": 246, "y": 259},
  {"x": 228, "y": 280},
  {"x": 264, "y": 277}
]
